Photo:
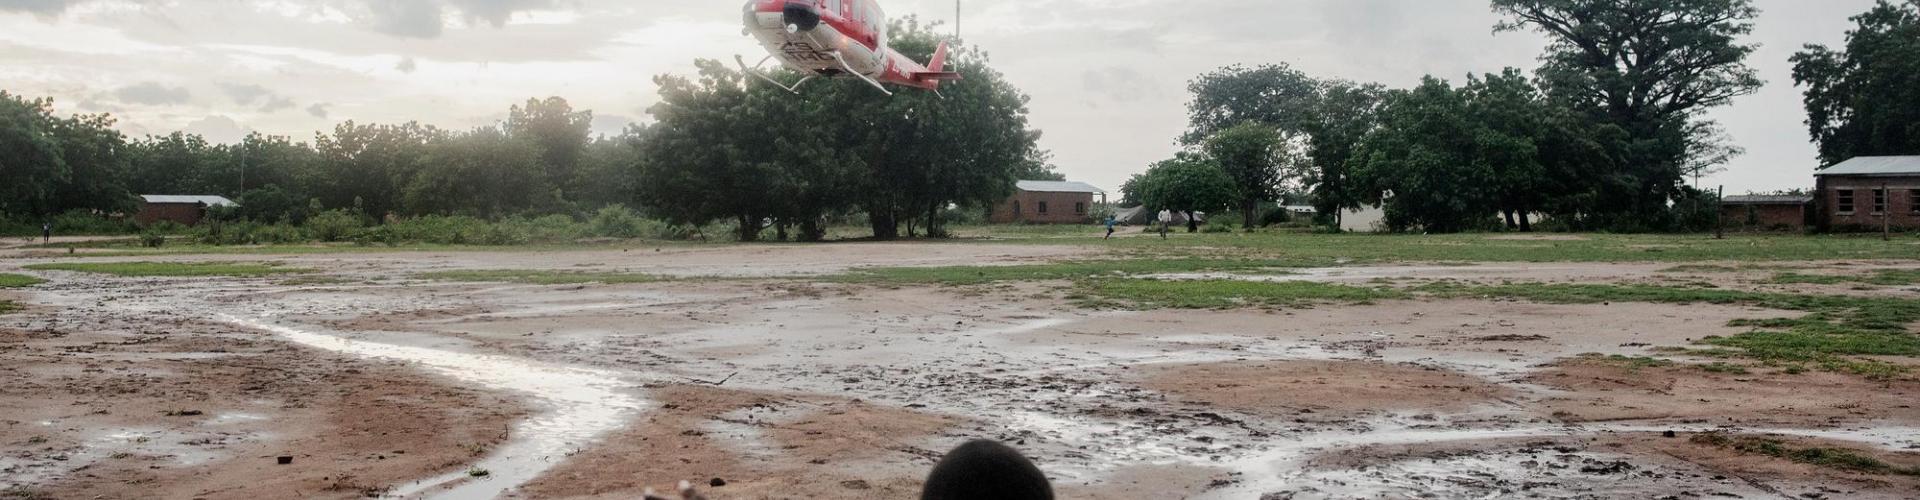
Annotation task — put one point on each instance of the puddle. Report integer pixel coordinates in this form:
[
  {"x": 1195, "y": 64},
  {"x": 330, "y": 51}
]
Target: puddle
[{"x": 580, "y": 404}]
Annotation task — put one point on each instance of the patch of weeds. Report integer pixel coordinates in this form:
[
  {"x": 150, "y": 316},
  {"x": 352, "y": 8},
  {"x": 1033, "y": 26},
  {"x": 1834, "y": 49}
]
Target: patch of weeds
[
  {"x": 539, "y": 277},
  {"x": 1884, "y": 277},
  {"x": 1631, "y": 363},
  {"x": 314, "y": 281},
  {"x": 18, "y": 281},
  {"x": 23, "y": 493},
  {"x": 478, "y": 472},
  {"x": 8, "y": 306},
  {"x": 1724, "y": 367},
  {"x": 1836, "y": 458},
  {"x": 1834, "y": 328},
  {"x": 1218, "y": 294},
  {"x": 173, "y": 269},
  {"x": 1075, "y": 270}
]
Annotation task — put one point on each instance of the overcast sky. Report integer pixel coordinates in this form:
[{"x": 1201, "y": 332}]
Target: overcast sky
[{"x": 1107, "y": 77}]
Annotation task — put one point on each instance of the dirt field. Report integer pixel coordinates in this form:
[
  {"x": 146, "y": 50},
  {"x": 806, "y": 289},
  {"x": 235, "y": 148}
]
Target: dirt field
[{"x": 755, "y": 375}]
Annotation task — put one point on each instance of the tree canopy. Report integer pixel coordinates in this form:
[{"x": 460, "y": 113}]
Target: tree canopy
[
  {"x": 1186, "y": 183},
  {"x": 1864, "y": 100}
]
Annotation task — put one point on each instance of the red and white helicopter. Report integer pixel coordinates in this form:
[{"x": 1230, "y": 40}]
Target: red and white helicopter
[{"x": 836, "y": 38}]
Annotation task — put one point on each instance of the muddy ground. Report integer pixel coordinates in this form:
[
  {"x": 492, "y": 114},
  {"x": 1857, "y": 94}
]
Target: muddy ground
[{"x": 777, "y": 386}]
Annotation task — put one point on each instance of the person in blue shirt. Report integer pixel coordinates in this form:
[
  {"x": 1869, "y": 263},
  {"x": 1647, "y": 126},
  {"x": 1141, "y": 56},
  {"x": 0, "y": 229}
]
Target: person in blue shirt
[{"x": 1110, "y": 223}]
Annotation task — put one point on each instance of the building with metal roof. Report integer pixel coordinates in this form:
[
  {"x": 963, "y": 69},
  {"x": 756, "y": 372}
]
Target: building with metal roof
[
  {"x": 1875, "y": 166},
  {"x": 1048, "y": 202},
  {"x": 1869, "y": 193},
  {"x": 183, "y": 210},
  {"x": 1058, "y": 187}
]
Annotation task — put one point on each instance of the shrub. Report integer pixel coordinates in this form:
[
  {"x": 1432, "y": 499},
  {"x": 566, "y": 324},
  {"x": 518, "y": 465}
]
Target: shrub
[
  {"x": 333, "y": 225},
  {"x": 618, "y": 221},
  {"x": 152, "y": 239}
]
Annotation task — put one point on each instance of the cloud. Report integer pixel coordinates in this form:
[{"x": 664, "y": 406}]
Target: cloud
[
  {"x": 276, "y": 103},
  {"x": 218, "y": 129},
  {"x": 36, "y": 7},
  {"x": 497, "y": 12},
  {"x": 319, "y": 110},
  {"x": 407, "y": 65},
  {"x": 153, "y": 94},
  {"x": 246, "y": 94},
  {"x": 408, "y": 18},
  {"x": 1121, "y": 84}
]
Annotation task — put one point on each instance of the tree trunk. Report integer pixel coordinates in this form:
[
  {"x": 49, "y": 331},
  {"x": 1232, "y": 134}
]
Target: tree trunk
[
  {"x": 1526, "y": 225},
  {"x": 1193, "y": 225},
  {"x": 933, "y": 221},
  {"x": 885, "y": 226},
  {"x": 1249, "y": 210},
  {"x": 749, "y": 228},
  {"x": 811, "y": 230},
  {"x": 781, "y": 229},
  {"x": 1511, "y": 225}
]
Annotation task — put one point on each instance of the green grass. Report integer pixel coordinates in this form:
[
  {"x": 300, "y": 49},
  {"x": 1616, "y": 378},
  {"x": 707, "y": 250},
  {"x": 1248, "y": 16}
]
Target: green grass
[
  {"x": 1631, "y": 363},
  {"x": 1885, "y": 277},
  {"x": 18, "y": 281},
  {"x": 8, "y": 306},
  {"x": 538, "y": 277},
  {"x": 1220, "y": 294},
  {"x": 1834, "y": 328},
  {"x": 173, "y": 269},
  {"x": 1073, "y": 270},
  {"x": 1836, "y": 458},
  {"x": 1483, "y": 248}
]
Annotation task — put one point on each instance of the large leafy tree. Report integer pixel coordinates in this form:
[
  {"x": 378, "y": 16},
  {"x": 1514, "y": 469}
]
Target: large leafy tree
[
  {"x": 1865, "y": 99},
  {"x": 1255, "y": 156},
  {"x": 561, "y": 134},
  {"x": 30, "y": 155},
  {"x": 483, "y": 173},
  {"x": 1646, "y": 68},
  {"x": 366, "y": 167},
  {"x": 1275, "y": 94},
  {"x": 1343, "y": 115},
  {"x": 1187, "y": 183},
  {"x": 1510, "y": 117},
  {"x": 1427, "y": 155}
]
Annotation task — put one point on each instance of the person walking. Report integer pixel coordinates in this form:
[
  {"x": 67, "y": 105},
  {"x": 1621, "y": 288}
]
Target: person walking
[
  {"x": 1166, "y": 219},
  {"x": 46, "y": 232},
  {"x": 1111, "y": 221}
]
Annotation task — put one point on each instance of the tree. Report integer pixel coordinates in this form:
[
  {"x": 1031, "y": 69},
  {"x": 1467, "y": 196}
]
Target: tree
[
  {"x": 1254, "y": 156},
  {"x": 1343, "y": 115},
  {"x": 482, "y": 173},
  {"x": 1709, "y": 150},
  {"x": 561, "y": 134},
  {"x": 1427, "y": 154},
  {"x": 30, "y": 156},
  {"x": 1275, "y": 94},
  {"x": 367, "y": 166},
  {"x": 1510, "y": 118},
  {"x": 1187, "y": 183},
  {"x": 1646, "y": 67},
  {"x": 1865, "y": 99},
  {"x": 700, "y": 165}
]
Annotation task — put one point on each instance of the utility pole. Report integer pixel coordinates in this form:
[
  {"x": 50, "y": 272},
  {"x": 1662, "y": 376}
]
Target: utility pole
[{"x": 1884, "y": 201}]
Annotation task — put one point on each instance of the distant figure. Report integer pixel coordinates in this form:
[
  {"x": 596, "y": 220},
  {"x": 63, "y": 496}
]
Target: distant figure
[
  {"x": 1166, "y": 220},
  {"x": 1111, "y": 221},
  {"x": 986, "y": 470},
  {"x": 46, "y": 232}
]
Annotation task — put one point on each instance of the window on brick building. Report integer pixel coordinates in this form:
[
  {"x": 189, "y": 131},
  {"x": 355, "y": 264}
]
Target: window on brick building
[
  {"x": 1913, "y": 200},
  {"x": 1879, "y": 201},
  {"x": 1043, "y": 207},
  {"x": 1844, "y": 197},
  {"x": 1079, "y": 208}
]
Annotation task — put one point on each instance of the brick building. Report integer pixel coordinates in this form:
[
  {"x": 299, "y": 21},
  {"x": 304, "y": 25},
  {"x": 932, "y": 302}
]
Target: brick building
[
  {"x": 183, "y": 210},
  {"x": 1767, "y": 212},
  {"x": 1864, "y": 193},
  {"x": 1048, "y": 202}
]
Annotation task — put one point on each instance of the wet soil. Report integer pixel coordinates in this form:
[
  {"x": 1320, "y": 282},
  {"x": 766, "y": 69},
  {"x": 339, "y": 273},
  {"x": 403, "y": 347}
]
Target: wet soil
[{"x": 784, "y": 388}]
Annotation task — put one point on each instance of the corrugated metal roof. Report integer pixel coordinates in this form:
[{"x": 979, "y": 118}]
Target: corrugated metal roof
[
  {"x": 1767, "y": 199},
  {"x": 1058, "y": 187},
  {"x": 1876, "y": 165},
  {"x": 211, "y": 201}
]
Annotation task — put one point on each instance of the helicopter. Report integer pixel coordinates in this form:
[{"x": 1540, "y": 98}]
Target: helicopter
[{"x": 836, "y": 38}]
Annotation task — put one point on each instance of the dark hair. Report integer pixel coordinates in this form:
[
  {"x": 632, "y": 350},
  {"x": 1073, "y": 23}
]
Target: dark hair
[{"x": 986, "y": 470}]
